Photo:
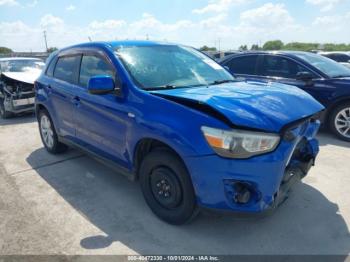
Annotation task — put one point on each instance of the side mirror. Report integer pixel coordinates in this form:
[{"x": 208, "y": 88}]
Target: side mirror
[
  {"x": 304, "y": 76},
  {"x": 100, "y": 85}
]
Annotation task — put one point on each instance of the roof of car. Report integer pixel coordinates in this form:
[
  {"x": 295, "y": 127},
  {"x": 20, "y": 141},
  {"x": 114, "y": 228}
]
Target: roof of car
[
  {"x": 19, "y": 58},
  {"x": 115, "y": 44},
  {"x": 335, "y": 52}
]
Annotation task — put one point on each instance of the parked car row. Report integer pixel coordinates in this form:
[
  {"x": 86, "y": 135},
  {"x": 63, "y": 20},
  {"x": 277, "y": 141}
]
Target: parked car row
[{"x": 324, "y": 79}]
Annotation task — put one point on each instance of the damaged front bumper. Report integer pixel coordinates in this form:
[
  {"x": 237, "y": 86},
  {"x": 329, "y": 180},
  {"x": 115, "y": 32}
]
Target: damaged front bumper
[
  {"x": 18, "y": 101},
  {"x": 259, "y": 183}
]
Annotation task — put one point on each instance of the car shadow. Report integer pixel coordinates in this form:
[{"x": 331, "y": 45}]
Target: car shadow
[
  {"x": 326, "y": 138},
  {"x": 307, "y": 223},
  {"x": 19, "y": 119}
]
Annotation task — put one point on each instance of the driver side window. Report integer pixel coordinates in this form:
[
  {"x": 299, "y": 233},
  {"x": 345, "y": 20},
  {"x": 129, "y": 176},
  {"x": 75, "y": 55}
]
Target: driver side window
[{"x": 92, "y": 65}]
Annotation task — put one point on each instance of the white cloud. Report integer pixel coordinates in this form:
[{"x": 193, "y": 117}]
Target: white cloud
[
  {"x": 269, "y": 21},
  {"x": 218, "y": 6},
  {"x": 16, "y": 3},
  {"x": 49, "y": 21},
  {"x": 269, "y": 16},
  {"x": 107, "y": 24},
  {"x": 9, "y": 2},
  {"x": 332, "y": 23},
  {"x": 71, "y": 8},
  {"x": 325, "y": 5}
]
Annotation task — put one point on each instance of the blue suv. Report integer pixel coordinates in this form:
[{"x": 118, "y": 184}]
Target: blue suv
[
  {"x": 172, "y": 118},
  {"x": 321, "y": 77}
]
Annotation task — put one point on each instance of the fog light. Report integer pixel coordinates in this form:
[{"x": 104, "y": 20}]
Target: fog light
[{"x": 241, "y": 193}]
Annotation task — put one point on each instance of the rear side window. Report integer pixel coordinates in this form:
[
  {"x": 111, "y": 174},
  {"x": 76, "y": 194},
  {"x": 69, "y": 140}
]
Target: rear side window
[
  {"x": 244, "y": 65},
  {"x": 277, "y": 66},
  {"x": 66, "y": 68},
  {"x": 93, "y": 66},
  {"x": 340, "y": 58}
]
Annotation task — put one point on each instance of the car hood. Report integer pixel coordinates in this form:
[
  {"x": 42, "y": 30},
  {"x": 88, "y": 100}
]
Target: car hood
[
  {"x": 28, "y": 77},
  {"x": 254, "y": 105}
]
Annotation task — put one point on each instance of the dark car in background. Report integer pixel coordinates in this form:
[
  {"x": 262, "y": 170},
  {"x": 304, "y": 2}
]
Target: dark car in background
[
  {"x": 340, "y": 57},
  {"x": 323, "y": 78}
]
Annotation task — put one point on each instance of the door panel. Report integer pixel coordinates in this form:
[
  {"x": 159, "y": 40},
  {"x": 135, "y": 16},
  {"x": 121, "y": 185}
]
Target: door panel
[
  {"x": 61, "y": 95},
  {"x": 62, "y": 90},
  {"x": 101, "y": 125}
]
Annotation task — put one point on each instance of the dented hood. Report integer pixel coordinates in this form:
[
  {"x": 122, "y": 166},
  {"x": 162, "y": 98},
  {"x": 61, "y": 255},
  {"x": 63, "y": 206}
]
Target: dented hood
[
  {"x": 28, "y": 77},
  {"x": 255, "y": 105}
]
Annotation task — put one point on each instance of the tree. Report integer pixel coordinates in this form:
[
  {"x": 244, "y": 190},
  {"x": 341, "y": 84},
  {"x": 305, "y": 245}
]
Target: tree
[
  {"x": 206, "y": 48},
  {"x": 255, "y": 47},
  {"x": 5, "y": 50},
  {"x": 273, "y": 45},
  {"x": 243, "y": 48},
  {"x": 298, "y": 46},
  {"x": 52, "y": 49}
]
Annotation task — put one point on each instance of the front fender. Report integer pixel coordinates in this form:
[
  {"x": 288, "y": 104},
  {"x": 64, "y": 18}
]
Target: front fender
[{"x": 177, "y": 126}]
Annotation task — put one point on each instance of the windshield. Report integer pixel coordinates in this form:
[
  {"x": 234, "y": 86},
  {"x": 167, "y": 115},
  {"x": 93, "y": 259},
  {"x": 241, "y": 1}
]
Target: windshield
[
  {"x": 170, "y": 66},
  {"x": 21, "y": 65},
  {"x": 326, "y": 65}
]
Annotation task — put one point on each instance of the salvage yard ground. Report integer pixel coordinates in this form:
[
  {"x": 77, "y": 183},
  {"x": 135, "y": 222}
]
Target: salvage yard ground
[{"x": 71, "y": 204}]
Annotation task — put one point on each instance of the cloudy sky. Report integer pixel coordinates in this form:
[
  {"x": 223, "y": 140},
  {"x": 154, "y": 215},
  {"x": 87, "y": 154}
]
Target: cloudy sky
[{"x": 228, "y": 23}]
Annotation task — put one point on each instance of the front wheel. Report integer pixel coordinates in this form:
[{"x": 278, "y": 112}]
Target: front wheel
[
  {"x": 167, "y": 187},
  {"x": 339, "y": 121},
  {"x": 48, "y": 134}
]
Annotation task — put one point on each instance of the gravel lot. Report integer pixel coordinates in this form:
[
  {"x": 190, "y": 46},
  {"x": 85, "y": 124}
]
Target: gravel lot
[{"x": 71, "y": 204}]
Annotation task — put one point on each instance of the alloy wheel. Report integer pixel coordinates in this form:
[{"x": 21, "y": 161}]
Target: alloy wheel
[
  {"x": 46, "y": 131},
  {"x": 342, "y": 122}
]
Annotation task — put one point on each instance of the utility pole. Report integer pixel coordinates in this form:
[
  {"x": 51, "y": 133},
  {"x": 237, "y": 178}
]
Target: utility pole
[{"x": 47, "y": 49}]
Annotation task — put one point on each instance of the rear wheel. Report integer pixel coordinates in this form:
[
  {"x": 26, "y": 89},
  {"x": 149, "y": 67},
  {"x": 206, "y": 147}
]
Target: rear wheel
[
  {"x": 339, "y": 121},
  {"x": 4, "y": 114},
  {"x": 48, "y": 134},
  {"x": 167, "y": 187}
]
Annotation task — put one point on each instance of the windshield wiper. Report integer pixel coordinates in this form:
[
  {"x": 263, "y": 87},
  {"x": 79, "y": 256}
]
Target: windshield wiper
[
  {"x": 160, "y": 87},
  {"x": 218, "y": 82}
]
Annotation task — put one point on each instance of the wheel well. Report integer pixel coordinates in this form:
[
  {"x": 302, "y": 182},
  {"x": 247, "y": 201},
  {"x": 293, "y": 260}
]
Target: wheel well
[
  {"x": 145, "y": 146},
  {"x": 38, "y": 108},
  {"x": 335, "y": 105}
]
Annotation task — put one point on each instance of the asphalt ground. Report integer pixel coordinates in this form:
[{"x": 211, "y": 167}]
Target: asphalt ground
[{"x": 71, "y": 204}]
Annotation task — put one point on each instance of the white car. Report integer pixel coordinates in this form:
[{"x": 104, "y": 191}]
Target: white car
[
  {"x": 17, "y": 76},
  {"x": 340, "y": 57}
]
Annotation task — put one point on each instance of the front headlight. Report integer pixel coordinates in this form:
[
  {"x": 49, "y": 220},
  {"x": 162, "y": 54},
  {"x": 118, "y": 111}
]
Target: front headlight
[{"x": 240, "y": 143}]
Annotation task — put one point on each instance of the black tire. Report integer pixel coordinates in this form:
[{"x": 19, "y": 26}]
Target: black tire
[
  {"x": 334, "y": 118},
  {"x": 3, "y": 113},
  {"x": 179, "y": 206},
  {"x": 56, "y": 147}
]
